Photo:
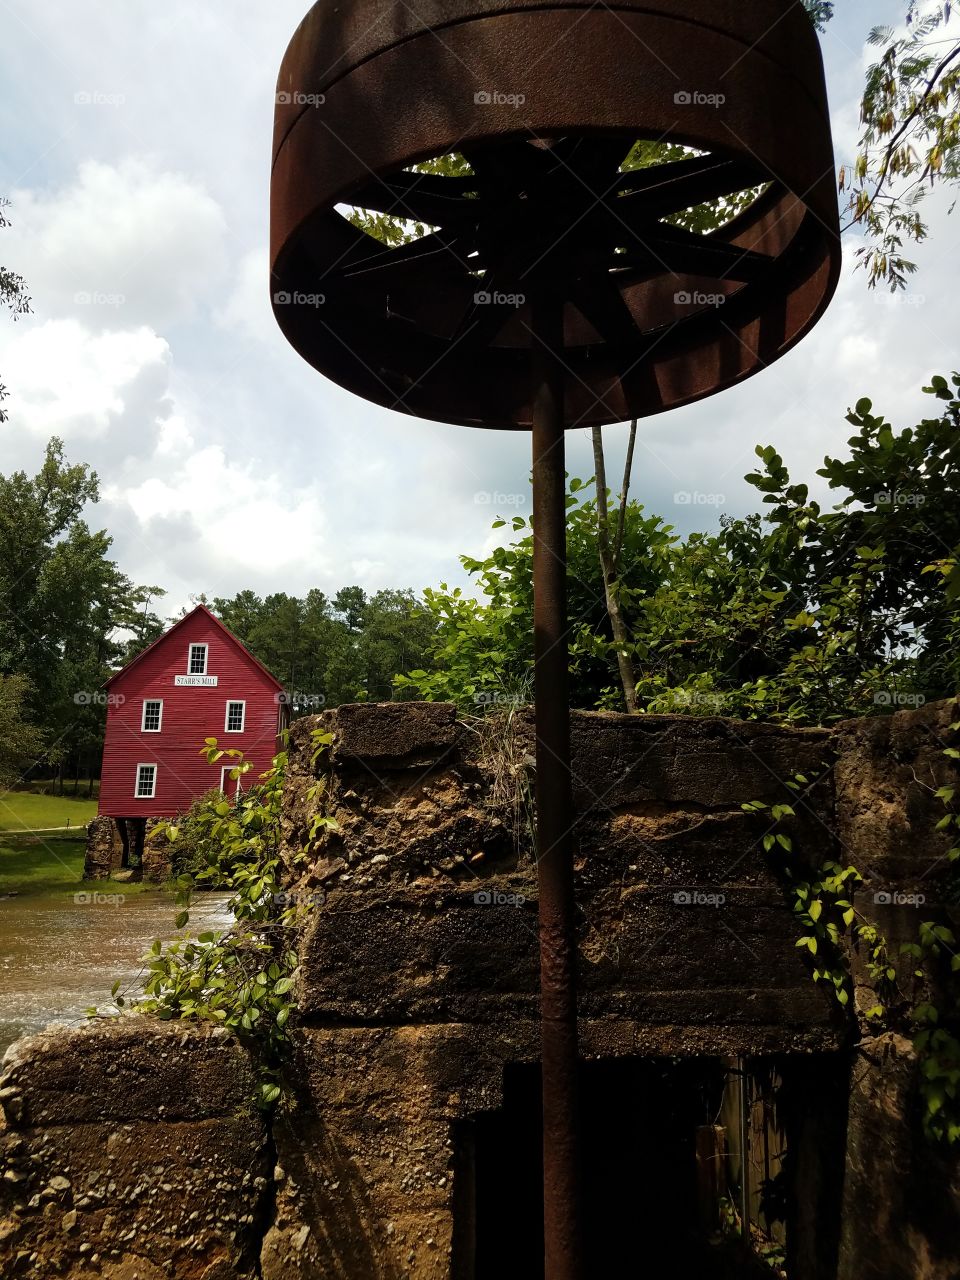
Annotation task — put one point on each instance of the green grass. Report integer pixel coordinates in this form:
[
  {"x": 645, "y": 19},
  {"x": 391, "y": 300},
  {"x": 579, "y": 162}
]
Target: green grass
[
  {"x": 48, "y": 786},
  {"x": 26, "y": 809},
  {"x": 52, "y": 865},
  {"x": 30, "y": 866}
]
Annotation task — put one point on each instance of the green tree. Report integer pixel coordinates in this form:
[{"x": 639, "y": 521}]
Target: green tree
[
  {"x": 807, "y": 616},
  {"x": 328, "y": 651},
  {"x": 65, "y": 607},
  {"x": 820, "y": 11},
  {"x": 20, "y": 741},
  {"x": 910, "y": 142}
]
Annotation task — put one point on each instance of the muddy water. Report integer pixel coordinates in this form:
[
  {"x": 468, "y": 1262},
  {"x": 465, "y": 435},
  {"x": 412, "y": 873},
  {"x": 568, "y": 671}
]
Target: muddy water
[{"x": 59, "y": 955}]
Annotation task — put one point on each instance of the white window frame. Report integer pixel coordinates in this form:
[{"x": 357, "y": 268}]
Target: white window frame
[
  {"x": 235, "y": 702},
  {"x": 225, "y": 772},
  {"x": 147, "y": 702},
  {"x": 206, "y": 658},
  {"x": 142, "y": 795}
]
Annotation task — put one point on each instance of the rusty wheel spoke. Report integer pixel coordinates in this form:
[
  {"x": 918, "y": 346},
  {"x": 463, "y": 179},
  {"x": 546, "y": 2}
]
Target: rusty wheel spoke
[
  {"x": 428, "y": 250},
  {"x": 601, "y": 303},
  {"x": 664, "y": 189},
  {"x": 421, "y": 198},
  {"x": 673, "y": 249}
]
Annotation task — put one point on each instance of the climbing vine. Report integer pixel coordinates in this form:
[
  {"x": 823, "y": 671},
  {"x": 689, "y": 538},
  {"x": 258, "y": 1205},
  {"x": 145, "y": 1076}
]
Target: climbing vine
[
  {"x": 822, "y": 894},
  {"x": 242, "y": 979}
]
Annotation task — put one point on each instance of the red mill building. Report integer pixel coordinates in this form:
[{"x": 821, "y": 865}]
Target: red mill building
[{"x": 197, "y": 681}]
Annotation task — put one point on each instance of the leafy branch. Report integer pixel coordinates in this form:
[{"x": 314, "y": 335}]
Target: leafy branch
[{"x": 243, "y": 979}]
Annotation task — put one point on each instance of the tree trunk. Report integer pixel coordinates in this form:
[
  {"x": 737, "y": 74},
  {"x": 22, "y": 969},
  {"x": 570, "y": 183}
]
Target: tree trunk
[
  {"x": 608, "y": 566},
  {"x": 624, "y": 490}
]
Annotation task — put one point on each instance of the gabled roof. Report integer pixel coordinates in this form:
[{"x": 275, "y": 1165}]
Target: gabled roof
[{"x": 201, "y": 608}]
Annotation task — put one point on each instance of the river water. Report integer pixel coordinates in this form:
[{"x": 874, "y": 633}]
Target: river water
[{"x": 60, "y": 955}]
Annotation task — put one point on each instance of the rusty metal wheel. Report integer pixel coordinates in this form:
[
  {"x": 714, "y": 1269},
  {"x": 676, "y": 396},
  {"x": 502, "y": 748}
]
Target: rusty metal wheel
[{"x": 542, "y": 104}]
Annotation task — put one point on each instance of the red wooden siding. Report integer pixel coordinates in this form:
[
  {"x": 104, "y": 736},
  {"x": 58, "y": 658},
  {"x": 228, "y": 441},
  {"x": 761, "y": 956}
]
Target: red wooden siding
[{"x": 190, "y": 714}]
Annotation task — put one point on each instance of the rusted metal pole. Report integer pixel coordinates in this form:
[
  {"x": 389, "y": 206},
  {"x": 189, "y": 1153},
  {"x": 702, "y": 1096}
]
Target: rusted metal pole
[{"x": 563, "y": 1241}]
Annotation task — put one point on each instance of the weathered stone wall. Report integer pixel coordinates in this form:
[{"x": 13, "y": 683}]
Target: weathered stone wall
[
  {"x": 901, "y": 1196},
  {"x": 419, "y": 987},
  {"x": 131, "y": 1150},
  {"x": 104, "y": 850},
  {"x": 423, "y": 839}
]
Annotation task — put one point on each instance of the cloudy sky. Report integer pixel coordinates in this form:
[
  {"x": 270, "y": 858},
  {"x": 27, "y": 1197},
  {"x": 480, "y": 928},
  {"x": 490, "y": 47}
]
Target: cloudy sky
[{"x": 136, "y": 150}]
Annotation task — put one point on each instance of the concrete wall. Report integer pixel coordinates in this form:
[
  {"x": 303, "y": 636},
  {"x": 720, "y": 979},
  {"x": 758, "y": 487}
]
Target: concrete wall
[{"x": 419, "y": 987}]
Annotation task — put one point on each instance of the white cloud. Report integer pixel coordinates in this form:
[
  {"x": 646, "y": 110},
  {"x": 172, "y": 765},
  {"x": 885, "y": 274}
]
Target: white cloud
[
  {"x": 217, "y": 522},
  {"x": 121, "y": 244},
  {"x": 246, "y": 310},
  {"x": 66, "y": 380}
]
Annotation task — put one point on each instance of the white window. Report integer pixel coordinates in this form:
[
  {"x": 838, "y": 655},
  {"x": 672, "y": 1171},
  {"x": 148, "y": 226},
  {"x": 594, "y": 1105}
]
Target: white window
[
  {"x": 152, "y": 715},
  {"x": 229, "y": 786},
  {"x": 146, "y": 782},
  {"x": 197, "y": 661},
  {"x": 236, "y": 714}
]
